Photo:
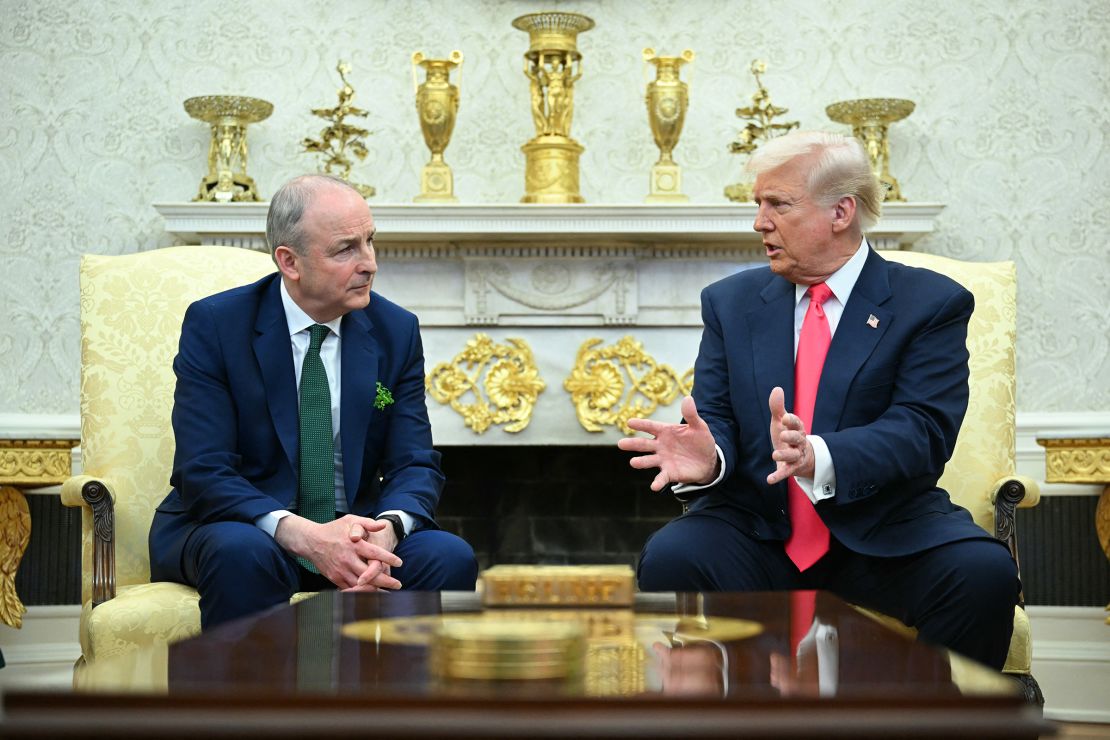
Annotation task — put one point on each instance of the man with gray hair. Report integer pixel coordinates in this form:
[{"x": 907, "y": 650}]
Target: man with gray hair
[
  {"x": 841, "y": 495},
  {"x": 304, "y": 455}
]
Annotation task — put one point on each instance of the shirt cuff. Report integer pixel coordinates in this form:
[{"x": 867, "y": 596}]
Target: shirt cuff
[
  {"x": 689, "y": 487},
  {"x": 407, "y": 520},
  {"x": 268, "y": 522},
  {"x": 823, "y": 483}
]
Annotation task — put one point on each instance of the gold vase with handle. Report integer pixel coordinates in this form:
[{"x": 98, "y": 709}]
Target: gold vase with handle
[
  {"x": 437, "y": 104},
  {"x": 667, "y": 99}
]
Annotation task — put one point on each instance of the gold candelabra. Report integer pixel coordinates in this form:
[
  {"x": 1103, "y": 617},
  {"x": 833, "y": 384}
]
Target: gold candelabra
[
  {"x": 341, "y": 139},
  {"x": 437, "y": 105},
  {"x": 552, "y": 64},
  {"x": 760, "y": 127},
  {"x": 228, "y": 116},
  {"x": 870, "y": 118},
  {"x": 667, "y": 99}
]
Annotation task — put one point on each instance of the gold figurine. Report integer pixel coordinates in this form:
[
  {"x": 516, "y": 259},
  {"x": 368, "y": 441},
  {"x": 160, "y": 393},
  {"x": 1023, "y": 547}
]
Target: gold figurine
[
  {"x": 869, "y": 119},
  {"x": 437, "y": 104},
  {"x": 340, "y": 138},
  {"x": 552, "y": 64},
  {"x": 667, "y": 99},
  {"x": 228, "y": 115},
  {"x": 760, "y": 126}
]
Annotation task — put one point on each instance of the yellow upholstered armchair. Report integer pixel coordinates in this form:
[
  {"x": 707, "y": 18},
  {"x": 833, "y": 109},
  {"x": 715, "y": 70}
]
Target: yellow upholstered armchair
[
  {"x": 131, "y": 311},
  {"x": 980, "y": 476}
]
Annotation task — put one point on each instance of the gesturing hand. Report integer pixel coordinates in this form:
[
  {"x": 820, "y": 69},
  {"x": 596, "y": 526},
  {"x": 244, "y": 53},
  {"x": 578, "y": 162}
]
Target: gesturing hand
[
  {"x": 684, "y": 453},
  {"x": 793, "y": 453}
]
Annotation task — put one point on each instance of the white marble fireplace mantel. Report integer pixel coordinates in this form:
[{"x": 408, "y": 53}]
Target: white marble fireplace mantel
[{"x": 552, "y": 276}]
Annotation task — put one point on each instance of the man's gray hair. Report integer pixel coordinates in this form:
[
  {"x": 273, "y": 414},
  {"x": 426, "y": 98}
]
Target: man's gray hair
[
  {"x": 287, "y": 207},
  {"x": 842, "y": 168}
]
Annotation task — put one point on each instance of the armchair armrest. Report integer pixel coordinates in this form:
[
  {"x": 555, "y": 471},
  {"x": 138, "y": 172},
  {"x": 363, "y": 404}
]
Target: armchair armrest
[
  {"x": 97, "y": 494},
  {"x": 1008, "y": 494}
]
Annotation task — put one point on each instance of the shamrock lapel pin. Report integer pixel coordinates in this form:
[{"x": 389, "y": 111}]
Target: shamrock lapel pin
[{"x": 383, "y": 398}]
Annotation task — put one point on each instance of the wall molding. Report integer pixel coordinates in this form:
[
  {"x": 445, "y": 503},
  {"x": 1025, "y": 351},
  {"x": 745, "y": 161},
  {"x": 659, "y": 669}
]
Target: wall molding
[{"x": 1071, "y": 660}]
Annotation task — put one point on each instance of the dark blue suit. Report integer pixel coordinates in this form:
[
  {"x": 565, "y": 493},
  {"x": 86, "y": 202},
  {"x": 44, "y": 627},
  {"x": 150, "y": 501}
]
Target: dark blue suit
[
  {"x": 889, "y": 407},
  {"x": 235, "y": 422}
]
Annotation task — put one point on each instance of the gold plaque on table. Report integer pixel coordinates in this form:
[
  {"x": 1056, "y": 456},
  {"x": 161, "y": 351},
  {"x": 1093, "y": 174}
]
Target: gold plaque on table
[{"x": 558, "y": 585}]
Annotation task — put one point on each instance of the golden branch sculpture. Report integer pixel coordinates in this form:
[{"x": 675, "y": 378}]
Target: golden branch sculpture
[{"x": 341, "y": 139}]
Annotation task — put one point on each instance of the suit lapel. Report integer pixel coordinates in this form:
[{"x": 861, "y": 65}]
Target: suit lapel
[
  {"x": 359, "y": 377},
  {"x": 274, "y": 353},
  {"x": 854, "y": 341},
  {"x": 772, "y": 331}
]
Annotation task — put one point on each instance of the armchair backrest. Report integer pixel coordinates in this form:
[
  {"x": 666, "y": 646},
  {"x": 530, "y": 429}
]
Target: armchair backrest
[
  {"x": 985, "y": 449},
  {"x": 131, "y": 311}
]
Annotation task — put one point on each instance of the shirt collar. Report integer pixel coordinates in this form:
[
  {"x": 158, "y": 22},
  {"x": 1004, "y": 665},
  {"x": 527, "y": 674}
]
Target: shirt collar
[
  {"x": 297, "y": 319},
  {"x": 843, "y": 280}
]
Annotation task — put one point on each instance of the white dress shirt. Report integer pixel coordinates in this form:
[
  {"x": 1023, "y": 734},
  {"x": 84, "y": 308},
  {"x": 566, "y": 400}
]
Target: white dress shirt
[
  {"x": 841, "y": 283},
  {"x": 299, "y": 324}
]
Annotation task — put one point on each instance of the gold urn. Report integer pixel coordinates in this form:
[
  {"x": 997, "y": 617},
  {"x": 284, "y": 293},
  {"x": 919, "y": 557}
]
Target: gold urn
[
  {"x": 437, "y": 105},
  {"x": 228, "y": 115},
  {"x": 870, "y": 118},
  {"x": 552, "y": 64},
  {"x": 667, "y": 99}
]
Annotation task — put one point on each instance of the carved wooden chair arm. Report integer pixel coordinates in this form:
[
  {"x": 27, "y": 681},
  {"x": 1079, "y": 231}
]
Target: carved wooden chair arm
[
  {"x": 96, "y": 494},
  {"x": 1008, "y": 495}
]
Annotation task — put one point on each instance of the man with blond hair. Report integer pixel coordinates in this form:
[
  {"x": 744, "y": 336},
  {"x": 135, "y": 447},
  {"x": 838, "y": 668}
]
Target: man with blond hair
[{"x": 840, "y": 493}]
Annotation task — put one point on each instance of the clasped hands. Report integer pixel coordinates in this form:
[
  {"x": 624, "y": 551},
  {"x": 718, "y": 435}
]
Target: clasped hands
[
  {"x": 686, "y": 453},
  {"x": 353, "y": 552}
]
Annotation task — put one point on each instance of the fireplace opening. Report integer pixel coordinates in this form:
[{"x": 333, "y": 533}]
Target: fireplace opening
[{"x": 550, "y": 505}]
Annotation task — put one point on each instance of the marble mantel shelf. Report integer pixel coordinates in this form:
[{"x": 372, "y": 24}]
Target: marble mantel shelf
[{"x": 242, "y": 224}]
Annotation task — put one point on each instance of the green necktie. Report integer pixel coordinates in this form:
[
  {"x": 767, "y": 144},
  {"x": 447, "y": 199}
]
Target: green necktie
[{"x": 316, "y": 494}]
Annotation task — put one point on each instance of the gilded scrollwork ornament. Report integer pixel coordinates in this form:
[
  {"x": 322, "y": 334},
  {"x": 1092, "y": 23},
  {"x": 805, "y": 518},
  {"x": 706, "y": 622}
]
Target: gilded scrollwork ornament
[
  {"x": 611, "y": 384},
  {"x": 489, "y": 384}
]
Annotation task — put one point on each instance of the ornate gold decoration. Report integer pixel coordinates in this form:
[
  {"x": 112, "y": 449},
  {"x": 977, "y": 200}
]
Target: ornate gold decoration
[
  {"x": 552, "y": 64},
  {"x": 340, "y": 139},
  {"x": 228, "y": 115},
  {"x": 597, "y": 384},
  {"x": 667, "y": 99},
  {"x": 760, "y": 126},
  {"x": 507, "y": 650},
  {"x": 26, "y": 463},
  {"x": 437, "y": 103},
  {"x": 1083, "y": 460},
  {"x": 1077, "y": 460},
  {"x": 15, "y": 528},
  {"x": 511, "y": 383},
  {"x": 558, "y": 585},
  {"x": 870, "y": 118},
  {"x": 617, "y": 640}
]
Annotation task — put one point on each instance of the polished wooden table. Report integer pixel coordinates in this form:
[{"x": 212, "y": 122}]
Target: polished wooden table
[{"x": 718, "y": 665}]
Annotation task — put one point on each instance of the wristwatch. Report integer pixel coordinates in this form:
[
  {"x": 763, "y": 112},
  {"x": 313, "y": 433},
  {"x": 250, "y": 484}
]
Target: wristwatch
[{"x": 398, "y": 525}]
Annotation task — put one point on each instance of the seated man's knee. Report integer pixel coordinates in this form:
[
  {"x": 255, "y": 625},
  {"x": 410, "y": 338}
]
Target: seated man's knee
[
  {"x": 233, "y": 552},
  {"x": 670, "y": 562},
  {"x": 435, "y": 560}
]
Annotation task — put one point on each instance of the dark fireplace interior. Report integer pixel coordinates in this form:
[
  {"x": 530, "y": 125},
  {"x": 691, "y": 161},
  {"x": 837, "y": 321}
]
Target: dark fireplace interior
[{"x": 550, "y": 505}]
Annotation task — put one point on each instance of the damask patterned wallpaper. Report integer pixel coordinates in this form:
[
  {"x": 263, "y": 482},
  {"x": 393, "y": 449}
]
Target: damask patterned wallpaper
[{"x": 1010, "y": 132}]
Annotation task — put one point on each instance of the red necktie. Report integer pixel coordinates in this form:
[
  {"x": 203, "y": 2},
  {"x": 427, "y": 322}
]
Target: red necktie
[{"x": 809, "y": 540}]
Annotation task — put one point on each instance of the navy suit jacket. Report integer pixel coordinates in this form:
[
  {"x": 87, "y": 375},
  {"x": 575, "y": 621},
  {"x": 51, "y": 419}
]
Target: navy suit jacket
[
  {"x": 889, "y": 405},
  {"x": 236, "y": 424}
]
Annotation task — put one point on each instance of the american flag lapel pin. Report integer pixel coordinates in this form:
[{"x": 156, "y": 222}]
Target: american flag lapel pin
[{"x": 873, "y": 321}]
